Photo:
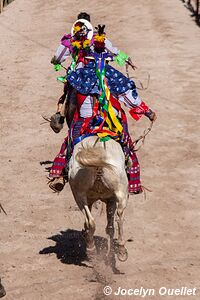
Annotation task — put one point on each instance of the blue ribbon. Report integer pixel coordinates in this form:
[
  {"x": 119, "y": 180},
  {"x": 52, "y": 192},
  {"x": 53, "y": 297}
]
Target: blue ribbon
[{"x": 82, "y": 137}]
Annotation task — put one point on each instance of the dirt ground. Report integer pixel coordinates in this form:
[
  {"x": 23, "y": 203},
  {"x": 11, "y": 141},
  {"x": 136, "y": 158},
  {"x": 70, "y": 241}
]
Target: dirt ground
[{"x": 41, "y": 251}]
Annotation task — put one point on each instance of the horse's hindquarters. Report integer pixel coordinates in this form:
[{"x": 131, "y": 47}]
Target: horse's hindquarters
[{"x": 97, "y": 171}]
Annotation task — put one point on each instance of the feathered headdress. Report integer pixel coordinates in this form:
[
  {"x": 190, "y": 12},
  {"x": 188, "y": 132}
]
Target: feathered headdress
[{"x": 99, "y": 39}]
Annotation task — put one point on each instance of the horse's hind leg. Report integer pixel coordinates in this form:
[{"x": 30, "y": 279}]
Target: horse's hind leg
[
  {"x": 110, "y": 211},
  {"x": 89, "y": 224},
  {"x": 121, "y": 205},
  {"x": 89, "y": 229},
  {"x": 110, "y": 230}
]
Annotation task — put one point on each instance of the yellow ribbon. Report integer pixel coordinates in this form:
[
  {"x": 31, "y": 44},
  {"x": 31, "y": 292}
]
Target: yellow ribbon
[{"x": 117, "y": 125}]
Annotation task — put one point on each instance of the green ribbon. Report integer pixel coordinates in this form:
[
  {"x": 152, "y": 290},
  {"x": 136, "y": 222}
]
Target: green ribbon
[
  {"x": 102, "y": 99},
  {"x": 121, "y": 58},
  {"x": 62, "y": 79},
  {"x": 57, "y": 67},
  {"x": 104, "y": 102},
  {"x": 73, "y": 64},
  {"x": 105, "y": 139}
]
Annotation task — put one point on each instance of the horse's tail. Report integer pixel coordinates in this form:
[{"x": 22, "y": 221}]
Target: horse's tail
[{"x": 92, "y": 157}]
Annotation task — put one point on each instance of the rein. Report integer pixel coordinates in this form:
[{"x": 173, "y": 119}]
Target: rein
[
  {"x": 141, "y": 84},
  {"x": 142, "y": 137},
  {"x": 146, "y": 131}
]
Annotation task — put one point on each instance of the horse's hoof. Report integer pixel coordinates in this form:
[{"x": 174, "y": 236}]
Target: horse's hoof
[
  {"x": 122, "y": 254},
  {"x": 91, "y": 249},
  {"x": 91, "y": 252},
  {"x": 91, "y": 255}
]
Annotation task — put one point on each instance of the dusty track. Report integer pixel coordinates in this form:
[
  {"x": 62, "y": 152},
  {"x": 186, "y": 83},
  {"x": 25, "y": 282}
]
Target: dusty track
[{"x": 162, "y": 39}]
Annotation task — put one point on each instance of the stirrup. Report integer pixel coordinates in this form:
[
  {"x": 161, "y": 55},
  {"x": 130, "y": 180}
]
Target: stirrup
[{"x": 57, "y": 184}]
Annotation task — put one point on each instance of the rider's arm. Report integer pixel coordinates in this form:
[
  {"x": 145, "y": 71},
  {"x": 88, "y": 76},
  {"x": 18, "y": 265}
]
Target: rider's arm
[
  {"x": 137, "y": 107},
  {"x": 130, "y": 98},
  {"x": 110, "y": 48},
  {"x": 120, "y": 57},
  {"x": 61, "y": 54}
]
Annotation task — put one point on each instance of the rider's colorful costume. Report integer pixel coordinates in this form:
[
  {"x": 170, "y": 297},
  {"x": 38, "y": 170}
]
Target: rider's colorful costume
[{"x": 99, "y": 88}]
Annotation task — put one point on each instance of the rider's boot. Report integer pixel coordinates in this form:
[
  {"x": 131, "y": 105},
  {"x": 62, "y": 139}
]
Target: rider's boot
[{"x": 57, "y": 184}]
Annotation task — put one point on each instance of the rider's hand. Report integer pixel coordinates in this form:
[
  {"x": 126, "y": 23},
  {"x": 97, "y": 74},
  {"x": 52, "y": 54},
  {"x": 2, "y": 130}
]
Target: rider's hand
[
  {"x": 151, "y": 115},
  {"x": 131, "y": 63},
  {"x": 54, "y": 61}
]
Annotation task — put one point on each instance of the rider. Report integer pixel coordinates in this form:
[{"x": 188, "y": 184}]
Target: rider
[
  {"x": 63, "y": 51},
  {"x": 83, "y": 78},
  {"x": 69, "y": 47}
]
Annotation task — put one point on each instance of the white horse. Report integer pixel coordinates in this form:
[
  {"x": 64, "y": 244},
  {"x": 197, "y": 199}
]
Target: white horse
[{"x": 97, "y": 171}]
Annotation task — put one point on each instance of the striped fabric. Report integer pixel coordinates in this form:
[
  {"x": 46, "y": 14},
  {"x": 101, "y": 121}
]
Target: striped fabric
[
  {"x": 134, "y": 176},
  {"x": 59, "y": 162}
]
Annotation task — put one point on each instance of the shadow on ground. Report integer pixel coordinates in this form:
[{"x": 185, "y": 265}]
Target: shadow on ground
[{"x": 70, "y": 247}]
